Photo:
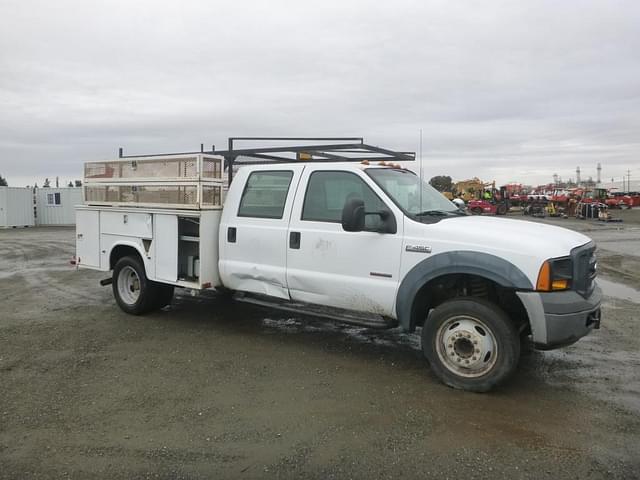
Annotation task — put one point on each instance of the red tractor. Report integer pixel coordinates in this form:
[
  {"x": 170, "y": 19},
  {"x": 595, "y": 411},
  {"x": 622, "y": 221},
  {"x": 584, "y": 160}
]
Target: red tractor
[
  {"x": 611, "y": 200},
  {"x": 492, "y": 202}
]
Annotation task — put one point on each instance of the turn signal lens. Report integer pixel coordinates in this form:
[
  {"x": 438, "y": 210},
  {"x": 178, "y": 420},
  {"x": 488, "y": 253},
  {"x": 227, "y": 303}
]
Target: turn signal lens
[
  {"x": 544, "y": 278},
  {"x": 560, "y": 284},
  {"x": 555, "y": 274}
]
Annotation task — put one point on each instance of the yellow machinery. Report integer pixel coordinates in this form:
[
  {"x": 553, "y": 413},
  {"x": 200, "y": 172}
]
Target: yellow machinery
[{"x": 470, "y": 189}]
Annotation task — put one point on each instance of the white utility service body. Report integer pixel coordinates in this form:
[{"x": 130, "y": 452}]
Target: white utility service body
[
  {"x": 349, "y": 236},
  {"x": 168, "y": 250}
]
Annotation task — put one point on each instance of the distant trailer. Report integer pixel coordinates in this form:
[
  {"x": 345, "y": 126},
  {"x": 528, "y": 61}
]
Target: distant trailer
[
  {"x": 16, "y": 207},
  {"x": 56, "y": 206}
]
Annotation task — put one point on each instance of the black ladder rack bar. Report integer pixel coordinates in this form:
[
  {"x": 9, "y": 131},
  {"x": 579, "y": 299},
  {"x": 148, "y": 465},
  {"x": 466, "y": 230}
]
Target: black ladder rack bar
[
  {"x": 210, "y": 152},
  {"x": 346, "y": 149}
]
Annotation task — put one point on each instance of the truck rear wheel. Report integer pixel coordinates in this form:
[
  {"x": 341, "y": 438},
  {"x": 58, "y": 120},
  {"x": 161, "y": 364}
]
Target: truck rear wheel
[
  {"x": 133, "y": 292},
  {"x": 471, "y": 344}
]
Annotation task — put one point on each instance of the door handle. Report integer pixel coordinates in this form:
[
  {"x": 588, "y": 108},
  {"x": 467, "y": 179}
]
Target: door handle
[
  {"x": 231, "y": 235},
  {"x": 294, "y": 240}
]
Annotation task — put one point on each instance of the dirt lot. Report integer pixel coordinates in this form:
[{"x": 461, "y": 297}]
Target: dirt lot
[{"x": 207, "y": 389}]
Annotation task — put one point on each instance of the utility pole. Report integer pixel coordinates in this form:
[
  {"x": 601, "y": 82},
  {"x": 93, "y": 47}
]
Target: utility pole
[
  {"x": 628, "y": 180},
  {"x": 421, "y": 170}
]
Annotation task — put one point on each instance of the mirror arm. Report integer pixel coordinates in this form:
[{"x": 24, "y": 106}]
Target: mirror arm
[
  {"x": 384, "y": 215},
  {"x": 381, "y": 213}
]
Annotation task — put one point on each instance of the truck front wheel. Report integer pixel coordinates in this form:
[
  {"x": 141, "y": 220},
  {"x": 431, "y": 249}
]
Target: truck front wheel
[
  {"x": 471, "y": 344},
  {"x": 133, "y": 292}
]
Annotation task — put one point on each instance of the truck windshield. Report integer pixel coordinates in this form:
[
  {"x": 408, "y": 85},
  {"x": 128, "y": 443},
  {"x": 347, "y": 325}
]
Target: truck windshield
[{"x": 424, "y": 204}]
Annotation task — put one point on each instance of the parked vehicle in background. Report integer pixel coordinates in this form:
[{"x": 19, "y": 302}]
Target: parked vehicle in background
[{"x": 339, "y": 230}]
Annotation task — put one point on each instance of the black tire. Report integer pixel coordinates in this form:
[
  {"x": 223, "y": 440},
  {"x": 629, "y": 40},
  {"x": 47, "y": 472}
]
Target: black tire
[
  {"x": 141, "y": 299},
  {"x": 501, "y": 210},
  {"x": 483, "y": 337},
  {"x": 476, "y": 211}
]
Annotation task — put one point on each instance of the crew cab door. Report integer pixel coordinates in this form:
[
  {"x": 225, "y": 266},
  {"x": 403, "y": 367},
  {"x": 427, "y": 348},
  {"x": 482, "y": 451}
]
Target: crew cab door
[
  {"x": 329, "y": 266},
  {"x": 253, "y": 229}
]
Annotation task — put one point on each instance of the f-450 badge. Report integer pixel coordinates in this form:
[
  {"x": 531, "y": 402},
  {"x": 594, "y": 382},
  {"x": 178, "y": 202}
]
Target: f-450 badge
[{"x": 418, "y": 248}]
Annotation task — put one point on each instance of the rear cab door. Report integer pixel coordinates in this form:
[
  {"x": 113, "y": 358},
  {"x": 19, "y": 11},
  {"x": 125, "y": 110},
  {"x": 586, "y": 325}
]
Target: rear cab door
[{"x": 253, "y": 229}]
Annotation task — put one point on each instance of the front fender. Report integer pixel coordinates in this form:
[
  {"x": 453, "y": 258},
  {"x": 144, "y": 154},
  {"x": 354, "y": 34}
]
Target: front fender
[{"x": 485, "y": 265}]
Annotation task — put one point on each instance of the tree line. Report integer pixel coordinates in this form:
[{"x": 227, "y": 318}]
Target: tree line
[{"x": 46, "y": 184}]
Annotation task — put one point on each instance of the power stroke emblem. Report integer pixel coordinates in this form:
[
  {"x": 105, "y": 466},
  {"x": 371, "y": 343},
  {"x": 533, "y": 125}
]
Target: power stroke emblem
[{"x": 418, "y": 248}]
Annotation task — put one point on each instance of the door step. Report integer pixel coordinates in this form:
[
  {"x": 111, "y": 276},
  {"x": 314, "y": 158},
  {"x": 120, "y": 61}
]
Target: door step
[{"x": 349, "y": 317}]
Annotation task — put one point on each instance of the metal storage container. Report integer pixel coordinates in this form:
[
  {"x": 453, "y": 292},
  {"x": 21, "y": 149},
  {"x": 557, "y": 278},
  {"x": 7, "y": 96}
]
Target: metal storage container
[
  {"x": 16, "y": 207},
  {"x": 56, "y": 206}
]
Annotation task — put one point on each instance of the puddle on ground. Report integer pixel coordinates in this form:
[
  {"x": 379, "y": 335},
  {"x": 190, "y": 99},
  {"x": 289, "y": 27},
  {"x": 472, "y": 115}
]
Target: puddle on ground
[
  {"x": 619, "y": 291},
  {"x": 392, "y": 338}
]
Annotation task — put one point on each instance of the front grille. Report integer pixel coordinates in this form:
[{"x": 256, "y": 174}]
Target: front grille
[{"x": 584, "y": 268}]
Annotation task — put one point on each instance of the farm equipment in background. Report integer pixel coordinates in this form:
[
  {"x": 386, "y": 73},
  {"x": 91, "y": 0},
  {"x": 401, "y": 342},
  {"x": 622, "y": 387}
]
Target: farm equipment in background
[
  {"x": 492, "y": 201},
  {"x": 609, "y": 198},
  {"x": 536, "y": 206},
  {"x": 553, "y": 210},
  {"x": 595, "y": 204},
  {"x": 468, "y": 189},
  {"x": 622, "y": 200},
  {"x": 517, "y": 194},
  {"x": 593, "y": 195}
]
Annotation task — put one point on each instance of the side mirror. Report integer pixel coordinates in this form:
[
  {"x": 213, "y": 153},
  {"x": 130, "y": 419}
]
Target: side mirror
[
  {"x": 353, "y": 215},
  {"x": 353, "y": 218}
]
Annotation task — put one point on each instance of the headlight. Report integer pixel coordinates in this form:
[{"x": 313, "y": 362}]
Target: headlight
[{"x": 555, "y": 274}]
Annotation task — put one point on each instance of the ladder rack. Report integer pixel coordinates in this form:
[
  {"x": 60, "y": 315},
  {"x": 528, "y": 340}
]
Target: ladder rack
[
  {"x": 196, "y": 180},
  {"x": 296, "y": 149}
]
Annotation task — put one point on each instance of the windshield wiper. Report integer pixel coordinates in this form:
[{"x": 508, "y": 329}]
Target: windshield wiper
[{"x": 438, "y": 213}]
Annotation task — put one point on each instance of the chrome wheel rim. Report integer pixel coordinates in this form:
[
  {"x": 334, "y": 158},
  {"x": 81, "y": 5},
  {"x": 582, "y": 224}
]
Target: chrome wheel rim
[
  {"x": 129, "y": 285},
  {"x": 466, "y": 346}
]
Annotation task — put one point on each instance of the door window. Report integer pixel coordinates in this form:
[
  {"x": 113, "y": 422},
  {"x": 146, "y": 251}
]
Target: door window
[
  {"x": 265, "y": 194},
  {"x": 327, "y": 193}
]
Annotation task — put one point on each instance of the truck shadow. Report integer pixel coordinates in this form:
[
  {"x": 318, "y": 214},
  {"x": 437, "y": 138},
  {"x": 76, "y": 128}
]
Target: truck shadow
[{"x": 389, "y": 347}]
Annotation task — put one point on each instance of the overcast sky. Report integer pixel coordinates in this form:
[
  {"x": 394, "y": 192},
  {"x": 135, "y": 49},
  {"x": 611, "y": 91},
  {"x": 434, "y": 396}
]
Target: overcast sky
[{"x": 504, "y": 90}]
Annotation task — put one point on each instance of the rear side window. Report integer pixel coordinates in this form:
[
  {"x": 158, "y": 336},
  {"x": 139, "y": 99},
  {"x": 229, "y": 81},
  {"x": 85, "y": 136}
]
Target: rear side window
[
  {"x": 327, "y": 193},
  {"x": 265, "y": 194}
]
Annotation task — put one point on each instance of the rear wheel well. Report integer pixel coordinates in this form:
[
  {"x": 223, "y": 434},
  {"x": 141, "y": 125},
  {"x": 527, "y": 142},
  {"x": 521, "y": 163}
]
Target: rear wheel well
[
  {"x": 446, "y": 287},
  {"x": 120, "y": 251}
]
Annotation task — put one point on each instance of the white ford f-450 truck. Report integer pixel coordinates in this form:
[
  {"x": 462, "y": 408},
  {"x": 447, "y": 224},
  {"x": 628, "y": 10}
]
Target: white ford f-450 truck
[{"x": 335, "y": 230}]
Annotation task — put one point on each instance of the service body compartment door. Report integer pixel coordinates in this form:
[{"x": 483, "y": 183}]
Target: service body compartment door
[
  {"x": 88, "y": 238},
  {"x": 253, "y": 235},
  {"x": 129, "y": 224},
  {"x": 209, "y": 229},
  {"x": 165, "y": 245}
]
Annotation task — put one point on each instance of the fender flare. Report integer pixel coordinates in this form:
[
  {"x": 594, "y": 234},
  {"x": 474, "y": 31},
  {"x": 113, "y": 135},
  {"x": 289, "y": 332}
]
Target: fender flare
[
  {"x": 128, "y": 243},
  {"x": 485, "y": 265}
]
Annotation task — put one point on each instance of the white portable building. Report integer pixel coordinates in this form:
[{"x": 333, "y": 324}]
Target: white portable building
[
  {"x": 16, "y": 207},
  {"x": 55, "y": 206}
]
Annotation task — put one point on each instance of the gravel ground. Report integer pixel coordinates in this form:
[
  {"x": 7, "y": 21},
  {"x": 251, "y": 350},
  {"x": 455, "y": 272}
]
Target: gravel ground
[{"x": 211, "y": 389}]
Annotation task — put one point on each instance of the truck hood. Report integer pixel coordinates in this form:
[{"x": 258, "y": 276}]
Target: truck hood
[{"x": 504, "y": 234}]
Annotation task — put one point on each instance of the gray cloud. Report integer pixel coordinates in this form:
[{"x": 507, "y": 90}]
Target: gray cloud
[{"x": 510, "y": 90}]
